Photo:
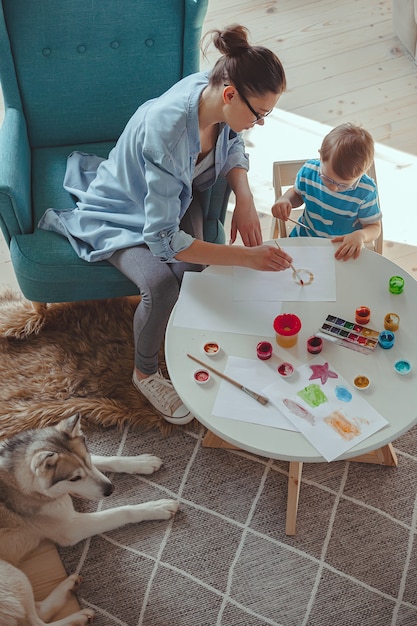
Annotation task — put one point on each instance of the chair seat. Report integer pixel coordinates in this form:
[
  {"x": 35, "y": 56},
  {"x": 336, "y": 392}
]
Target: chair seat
[{"x": 46, "y": 266}]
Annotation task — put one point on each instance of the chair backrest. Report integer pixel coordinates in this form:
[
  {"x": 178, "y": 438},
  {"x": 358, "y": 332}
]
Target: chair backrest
[
  {"x": 283, "y": 175},
  {"x": 78, "y": 69}
]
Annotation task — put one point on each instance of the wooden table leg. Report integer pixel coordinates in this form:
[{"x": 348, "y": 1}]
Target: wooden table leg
[
  {"x": 211, "y": 440},
  {"x": 294, "y": 484},
  {"x": 383, "y": 456}
]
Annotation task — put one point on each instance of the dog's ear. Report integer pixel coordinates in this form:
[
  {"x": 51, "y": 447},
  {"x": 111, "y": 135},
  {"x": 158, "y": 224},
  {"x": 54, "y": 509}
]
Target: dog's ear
[
  {"x": 43, "y": 461},
  {"x": 71, "y": 426}
]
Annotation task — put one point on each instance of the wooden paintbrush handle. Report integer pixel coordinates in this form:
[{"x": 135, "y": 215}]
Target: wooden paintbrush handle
[{"x": 253, "y": 394}]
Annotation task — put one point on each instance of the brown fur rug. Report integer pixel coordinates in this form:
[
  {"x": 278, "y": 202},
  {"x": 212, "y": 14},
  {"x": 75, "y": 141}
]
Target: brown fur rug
[{"x": 73, "y": 357}]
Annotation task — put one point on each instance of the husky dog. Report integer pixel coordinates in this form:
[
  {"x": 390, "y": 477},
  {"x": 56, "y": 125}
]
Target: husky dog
[{"x": 39, "y": 472}]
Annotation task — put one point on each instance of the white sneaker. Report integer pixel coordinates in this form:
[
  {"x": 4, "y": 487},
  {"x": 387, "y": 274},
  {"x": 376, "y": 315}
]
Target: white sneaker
[{"x": 161, "y": 394}]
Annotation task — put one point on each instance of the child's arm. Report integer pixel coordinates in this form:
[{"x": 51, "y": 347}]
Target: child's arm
[
  {"x": 352, "y": 244},
  {"x": 288, "y": 201}
]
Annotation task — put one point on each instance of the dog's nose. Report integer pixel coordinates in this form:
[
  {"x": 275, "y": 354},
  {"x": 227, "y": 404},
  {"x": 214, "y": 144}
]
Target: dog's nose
[{"x": 108, "y": 490}]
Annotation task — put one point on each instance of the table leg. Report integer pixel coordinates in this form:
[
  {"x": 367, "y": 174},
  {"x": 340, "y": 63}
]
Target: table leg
[
  {"x": 294, "y": 484},
  {"x": 211, "y": 440},
  {"x": 383, "y": 456}
]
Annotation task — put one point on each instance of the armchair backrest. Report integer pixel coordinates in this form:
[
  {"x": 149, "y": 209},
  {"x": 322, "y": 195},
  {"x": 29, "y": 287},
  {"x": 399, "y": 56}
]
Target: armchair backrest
[{"x": 78, "y": 69}]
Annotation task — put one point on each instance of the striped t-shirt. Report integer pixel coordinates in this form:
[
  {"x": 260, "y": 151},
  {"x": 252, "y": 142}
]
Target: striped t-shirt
[{"x": 332, "y": 213}]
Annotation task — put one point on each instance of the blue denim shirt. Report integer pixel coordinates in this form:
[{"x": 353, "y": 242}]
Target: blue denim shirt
[{"x": 141, "y": 191}]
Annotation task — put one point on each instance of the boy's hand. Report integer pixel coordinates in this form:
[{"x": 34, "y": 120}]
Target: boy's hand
[
  {"x": 351, "y": 245},
  {"x": 282, "y": 208}
]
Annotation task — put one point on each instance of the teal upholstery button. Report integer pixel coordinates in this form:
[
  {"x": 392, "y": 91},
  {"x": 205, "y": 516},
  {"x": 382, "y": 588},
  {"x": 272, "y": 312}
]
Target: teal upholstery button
[
  {"x": 81, "y": 49},
  {"x": 46, "y": 52},
  {"x": 149, "y": 43}
]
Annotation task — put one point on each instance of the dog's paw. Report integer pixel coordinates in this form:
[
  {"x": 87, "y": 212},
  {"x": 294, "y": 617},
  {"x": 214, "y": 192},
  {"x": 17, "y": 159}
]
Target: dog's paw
[
  {"x": 162, "y": 509},
  {"x": 146, "y": 463},
  {"x": 83, "y": 617}
]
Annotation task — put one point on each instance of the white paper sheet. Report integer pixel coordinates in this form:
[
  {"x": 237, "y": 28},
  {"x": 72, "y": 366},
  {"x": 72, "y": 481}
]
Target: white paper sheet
[
  {"x": 313, "y": 263},
  {"x": 233, "y": 403},
  {"x": 205, "y": 302},
  {"x": 332, "y": 415}
]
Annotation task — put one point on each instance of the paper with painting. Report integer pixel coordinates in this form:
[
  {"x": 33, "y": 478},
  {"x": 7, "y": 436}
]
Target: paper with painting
[
  {"x": 314, "y": 265},
  {"x": 321, "y": 404}
]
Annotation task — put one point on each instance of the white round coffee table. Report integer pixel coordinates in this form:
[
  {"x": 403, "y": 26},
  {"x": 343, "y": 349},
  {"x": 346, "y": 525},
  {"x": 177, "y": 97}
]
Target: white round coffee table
[{"x": 360, "y": 282}]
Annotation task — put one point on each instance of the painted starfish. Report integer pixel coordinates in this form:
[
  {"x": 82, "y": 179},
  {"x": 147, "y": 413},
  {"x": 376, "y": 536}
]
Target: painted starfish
[{"x": 323, "y": 372}]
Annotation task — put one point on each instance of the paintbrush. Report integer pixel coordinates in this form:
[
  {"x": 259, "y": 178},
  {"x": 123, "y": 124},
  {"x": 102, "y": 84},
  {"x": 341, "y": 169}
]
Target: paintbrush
[
  {"x": 299, "y": 224},
  {"x": 291, "y": 266},
  {"x": 253, "y": 394}
]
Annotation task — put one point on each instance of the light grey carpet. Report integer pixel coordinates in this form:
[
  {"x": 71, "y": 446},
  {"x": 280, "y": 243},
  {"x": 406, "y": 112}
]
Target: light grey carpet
[{"x": 225, "y": 560}]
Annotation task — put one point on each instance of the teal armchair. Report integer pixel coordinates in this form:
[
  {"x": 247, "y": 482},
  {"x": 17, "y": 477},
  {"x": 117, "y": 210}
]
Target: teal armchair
[{"x": 72, "y": 73}]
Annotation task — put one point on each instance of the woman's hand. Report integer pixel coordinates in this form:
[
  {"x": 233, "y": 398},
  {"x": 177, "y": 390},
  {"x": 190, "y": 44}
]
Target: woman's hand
[
  {"x": 267, "y": 258},
  {"x": 245, "y": 220}
]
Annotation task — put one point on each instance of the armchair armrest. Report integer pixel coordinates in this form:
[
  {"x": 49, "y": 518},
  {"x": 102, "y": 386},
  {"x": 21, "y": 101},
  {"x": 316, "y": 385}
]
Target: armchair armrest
[{"x": 15, "y": 178}]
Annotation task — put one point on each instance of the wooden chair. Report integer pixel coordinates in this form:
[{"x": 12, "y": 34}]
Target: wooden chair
[{"x": 284, "y": 173}]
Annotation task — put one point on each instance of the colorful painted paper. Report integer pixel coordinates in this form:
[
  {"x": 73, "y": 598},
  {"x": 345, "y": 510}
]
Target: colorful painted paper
[{"x": 321, "y": 404}]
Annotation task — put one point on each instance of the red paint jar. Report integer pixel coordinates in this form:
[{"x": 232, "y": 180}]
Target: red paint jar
[
  {"x": 362, "y": 315},
  {"x": 201, "y": 376},
  {"x": 285, "y": 369},
  {"x": 314, "y": 344},
  {"x": 264, "y": 350}
]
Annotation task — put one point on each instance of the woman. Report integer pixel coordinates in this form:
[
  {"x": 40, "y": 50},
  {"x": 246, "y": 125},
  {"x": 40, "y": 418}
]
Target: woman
[{"x": 136, "y": 208}]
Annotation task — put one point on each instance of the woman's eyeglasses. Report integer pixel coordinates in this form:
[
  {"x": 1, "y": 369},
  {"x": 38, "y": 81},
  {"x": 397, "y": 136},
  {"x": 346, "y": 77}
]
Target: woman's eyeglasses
[
  {"x": 257, "y": 115},
  {"x": 341, "y": 186}
]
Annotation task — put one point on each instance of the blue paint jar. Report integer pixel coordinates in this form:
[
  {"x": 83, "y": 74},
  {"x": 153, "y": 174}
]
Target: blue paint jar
[
  {"x": 402, "y": 367},
  {"x": 386, "y": 339}
]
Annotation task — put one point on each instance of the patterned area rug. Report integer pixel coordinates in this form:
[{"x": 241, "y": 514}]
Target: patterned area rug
[
  {"x": 225, "y": 560},
  {"x": 76, "y": 357}
]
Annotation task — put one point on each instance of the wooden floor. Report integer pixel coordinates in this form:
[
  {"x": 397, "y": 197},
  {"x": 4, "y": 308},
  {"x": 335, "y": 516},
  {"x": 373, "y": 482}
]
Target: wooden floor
[
  {"x": 343, "y": 63},
  {"x": 342, "y": 60}
]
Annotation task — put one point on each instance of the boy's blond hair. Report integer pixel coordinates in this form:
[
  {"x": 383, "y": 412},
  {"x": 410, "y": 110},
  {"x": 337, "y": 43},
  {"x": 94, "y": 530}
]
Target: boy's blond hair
[{"x": 349, "y": 149}]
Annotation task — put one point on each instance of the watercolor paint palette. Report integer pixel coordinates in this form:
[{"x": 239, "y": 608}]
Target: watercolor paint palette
[{"x": 349, "y": 334}]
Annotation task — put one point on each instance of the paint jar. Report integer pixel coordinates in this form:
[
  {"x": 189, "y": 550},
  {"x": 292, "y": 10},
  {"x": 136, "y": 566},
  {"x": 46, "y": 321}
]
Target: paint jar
[
  {"x": 396, "y": 284},
  {"x": 361, "y": 382},
  {"x": 264, "y": 350},
  {"x": 386, "y": 339},
  {"x": 287, "y": 326},
  {"x": 201, "y": 376},
  {"x": 391, "y": 322},
  {"x": 362, "y": 315},
  {"x": 314, "y": 344},
  {"x": 285, "y": 369},
  {"x": 211, "y": 348},
  {"x": 403, "y": 367}
]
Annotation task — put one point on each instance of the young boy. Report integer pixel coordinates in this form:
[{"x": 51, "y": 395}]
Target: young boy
[{"x": 341, "y": 201}]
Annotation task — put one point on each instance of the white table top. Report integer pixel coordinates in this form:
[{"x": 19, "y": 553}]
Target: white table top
[{"x": 360, "y": 282}]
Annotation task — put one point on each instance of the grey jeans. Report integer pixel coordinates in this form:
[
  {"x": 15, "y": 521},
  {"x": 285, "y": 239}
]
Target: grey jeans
[{"x": 159, "y": 286}]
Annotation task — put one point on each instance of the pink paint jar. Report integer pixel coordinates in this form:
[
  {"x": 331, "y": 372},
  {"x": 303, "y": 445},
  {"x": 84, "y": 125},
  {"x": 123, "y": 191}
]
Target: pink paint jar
[
  {"x": 314, "y": 344},
  {"x": 362, "y": 315},
  {"x": 264, "y": 350},
  {"x": 287, "y": 326}
]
